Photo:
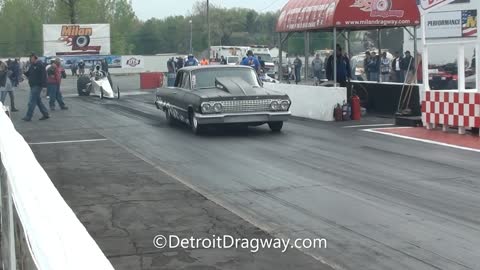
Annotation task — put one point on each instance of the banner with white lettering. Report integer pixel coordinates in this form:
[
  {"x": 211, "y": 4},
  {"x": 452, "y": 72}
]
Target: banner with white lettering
[
  {"x": 76, "y": 39},
  {"x": 133, "y": 61}
]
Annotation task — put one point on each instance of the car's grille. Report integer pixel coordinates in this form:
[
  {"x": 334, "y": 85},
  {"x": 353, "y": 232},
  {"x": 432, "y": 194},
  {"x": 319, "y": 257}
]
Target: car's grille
[{"x": 240, "y": 106}]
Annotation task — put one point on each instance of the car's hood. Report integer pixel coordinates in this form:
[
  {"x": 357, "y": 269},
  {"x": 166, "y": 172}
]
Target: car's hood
[{"x": 228, "y": 87}]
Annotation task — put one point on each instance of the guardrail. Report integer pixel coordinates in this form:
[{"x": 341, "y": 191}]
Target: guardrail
[{"x": 38, "y": 228}]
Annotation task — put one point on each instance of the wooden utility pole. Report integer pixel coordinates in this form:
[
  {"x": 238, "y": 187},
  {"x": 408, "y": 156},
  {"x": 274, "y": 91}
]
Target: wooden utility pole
[{"x": 72, "y": 10}]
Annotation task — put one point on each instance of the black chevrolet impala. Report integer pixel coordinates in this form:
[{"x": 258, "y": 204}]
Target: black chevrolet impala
[{"x": 215, "y": 95}]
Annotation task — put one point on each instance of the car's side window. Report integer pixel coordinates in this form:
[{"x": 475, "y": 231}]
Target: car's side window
[
  {"x": 178, "y": 80},
  {"x": 186, "y": 81}
]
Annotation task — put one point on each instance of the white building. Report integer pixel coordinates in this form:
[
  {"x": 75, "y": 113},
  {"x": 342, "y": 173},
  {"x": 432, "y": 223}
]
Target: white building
[{"x": 453, "y": 22}]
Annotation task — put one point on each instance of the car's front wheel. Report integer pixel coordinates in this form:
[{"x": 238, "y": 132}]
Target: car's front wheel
[
  {"x": 197, "y": 129},
  {"x": 275, "y": 126}
]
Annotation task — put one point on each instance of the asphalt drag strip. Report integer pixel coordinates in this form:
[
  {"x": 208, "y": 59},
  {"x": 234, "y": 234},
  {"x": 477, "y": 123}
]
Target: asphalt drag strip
[{"x": 125, "y": 202}]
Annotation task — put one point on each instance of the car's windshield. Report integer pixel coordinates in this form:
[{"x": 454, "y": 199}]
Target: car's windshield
[
  {"x": 265, "y": 57},
  {"x": 205, "y": 78}
]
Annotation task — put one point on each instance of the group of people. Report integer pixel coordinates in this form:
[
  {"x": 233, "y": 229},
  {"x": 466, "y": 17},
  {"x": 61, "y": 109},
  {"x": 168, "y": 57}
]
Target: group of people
[
  {"x": 385, "y": 70},
  {"x": 78, "y": 69},
  {"x": 40, "y": 76},
  {"x": 10, "y": 77},
  {"x": 175, "y": 64}
]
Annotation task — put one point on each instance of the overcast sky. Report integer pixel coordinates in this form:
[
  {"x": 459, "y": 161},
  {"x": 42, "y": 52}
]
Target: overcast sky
[{"x": 146, "y": 9}]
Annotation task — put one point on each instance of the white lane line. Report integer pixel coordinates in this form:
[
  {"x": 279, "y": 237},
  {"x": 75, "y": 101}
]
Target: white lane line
[
  {"x": 66, "y": 142},
  {"x": 423, "y": 140},
  {"x": 364, "y": 126}
]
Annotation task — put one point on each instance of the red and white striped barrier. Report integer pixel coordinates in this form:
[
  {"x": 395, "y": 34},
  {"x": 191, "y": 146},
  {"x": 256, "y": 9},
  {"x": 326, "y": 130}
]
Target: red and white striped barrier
[{"x": 451, "y": 109}]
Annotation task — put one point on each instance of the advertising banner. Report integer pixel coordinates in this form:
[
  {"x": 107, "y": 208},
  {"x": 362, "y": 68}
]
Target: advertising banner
[
  {"x": 133, "y": 61},
  {"x": 451, "y": 24},
  {"x": 76, "y": 39}
]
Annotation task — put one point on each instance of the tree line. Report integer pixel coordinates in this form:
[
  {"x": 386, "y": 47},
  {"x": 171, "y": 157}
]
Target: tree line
[{"x": 21, "y": 26}]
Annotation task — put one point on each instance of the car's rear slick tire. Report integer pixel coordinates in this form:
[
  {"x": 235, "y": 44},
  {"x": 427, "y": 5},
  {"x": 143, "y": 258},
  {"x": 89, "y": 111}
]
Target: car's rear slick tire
[{"x": 276, "y": 126}]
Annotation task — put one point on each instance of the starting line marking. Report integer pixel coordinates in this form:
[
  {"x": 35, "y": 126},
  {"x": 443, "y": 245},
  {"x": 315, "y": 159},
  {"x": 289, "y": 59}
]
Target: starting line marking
[
  {"x": 378, "y": 131},
  {"x": 65, "y": 142},
  {"x": 376, "y": 125}
]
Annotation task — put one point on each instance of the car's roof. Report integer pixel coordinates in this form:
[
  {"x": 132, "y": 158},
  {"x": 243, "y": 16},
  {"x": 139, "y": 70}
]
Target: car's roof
[{"x": 213, "y": 67}]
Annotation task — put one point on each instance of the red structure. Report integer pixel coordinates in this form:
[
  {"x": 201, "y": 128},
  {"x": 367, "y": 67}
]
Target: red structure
[
  {"x": 344, "y": 15},
  {"x": 311, "y": 15},
  {"x": 151, "y": 80}
]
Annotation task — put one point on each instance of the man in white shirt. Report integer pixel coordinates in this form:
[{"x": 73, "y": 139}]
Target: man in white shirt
[{"x": 396, "y": 67}]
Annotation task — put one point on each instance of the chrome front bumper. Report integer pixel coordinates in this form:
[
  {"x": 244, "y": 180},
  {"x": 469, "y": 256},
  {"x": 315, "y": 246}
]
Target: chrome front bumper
[{"x": 237, "y": 118}]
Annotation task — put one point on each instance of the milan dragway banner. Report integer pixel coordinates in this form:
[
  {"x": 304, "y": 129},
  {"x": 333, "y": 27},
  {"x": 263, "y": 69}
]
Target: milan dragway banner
[
  {"x": 133, "y": 61},
  {"x": 451, "y": 24},
  {"x": 76, "y": 39}
]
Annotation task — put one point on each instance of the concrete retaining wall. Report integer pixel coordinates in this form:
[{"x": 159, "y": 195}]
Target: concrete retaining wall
[{"x": 313, "y": 102}]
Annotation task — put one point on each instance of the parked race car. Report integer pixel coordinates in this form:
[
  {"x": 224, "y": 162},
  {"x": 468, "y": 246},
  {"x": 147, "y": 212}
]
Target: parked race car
[
  {"x": 217, "y": 95},
  {"x": 97, "y": 84}
]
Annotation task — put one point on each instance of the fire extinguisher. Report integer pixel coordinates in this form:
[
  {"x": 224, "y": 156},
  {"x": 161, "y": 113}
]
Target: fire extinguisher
[
  {"x": 356, "y": 108},
  {"x": 337, "y": 113}
]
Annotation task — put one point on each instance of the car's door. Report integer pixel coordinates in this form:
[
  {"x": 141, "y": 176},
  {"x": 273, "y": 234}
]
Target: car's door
[{"x": 178, "y": 107}]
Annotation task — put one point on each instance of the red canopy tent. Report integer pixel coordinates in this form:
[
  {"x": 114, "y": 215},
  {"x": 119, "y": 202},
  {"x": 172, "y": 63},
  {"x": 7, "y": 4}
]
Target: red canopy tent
[{"x": 333, "y": 15}]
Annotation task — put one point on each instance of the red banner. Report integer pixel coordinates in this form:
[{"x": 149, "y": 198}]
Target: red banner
[{"x": 304, "y": 15}]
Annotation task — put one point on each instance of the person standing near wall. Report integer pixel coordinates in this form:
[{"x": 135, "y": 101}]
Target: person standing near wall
[
  {"x": 37, "y": 81},
  {"x": 344, "y": 71},
  {"x": 297, "y": 63},
  {"x": 385, "y": 68},
  {"x": 396, "y": 67},
  {"x": 366, "y": 61},
  {"x": 317, "y": 67},
  {"x": 408, "y": 67},
  {"x": 374, "y": 67}
]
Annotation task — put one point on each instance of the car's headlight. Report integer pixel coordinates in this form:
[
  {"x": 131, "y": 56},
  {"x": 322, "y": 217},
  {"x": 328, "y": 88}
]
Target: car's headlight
[
  {"x": 206, "y": 108},
  {"x": 218, "y": 108},
  {"x": 274, "y": 105},
  {"x": 285, "y": 105}
]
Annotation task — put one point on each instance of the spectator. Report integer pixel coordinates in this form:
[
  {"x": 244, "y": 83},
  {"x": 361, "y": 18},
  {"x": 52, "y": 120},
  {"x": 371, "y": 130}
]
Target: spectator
[
  {"x": 251, "y": 61},
  {"x": 408, "y": 67},
  {"x": 317, "y": 67},
  {"x": 298, "y": 69},
  {"x": 262, "y": 63},
  {"x": 366, "y": 61},
  {"x": 74, "y": 68},
  {"x": 397, "y": 68},
  {"x": 37, "y": 80},
  {"x": 54, "y": 80},
  {"x": 344, "y": 72},
  {"x": 191, "y": 61},
  {"x": 385, "y": 68},
  {"x": 81, "y": 67},
  {"x": 374, "y": 67},
  {"x": 12, "y": 80},
  {"x": 171, "y": 65},
  {"x": 204, "y": 62},
  {"x": 223, "y": 61},
  {"x": 180, "y": 63}
]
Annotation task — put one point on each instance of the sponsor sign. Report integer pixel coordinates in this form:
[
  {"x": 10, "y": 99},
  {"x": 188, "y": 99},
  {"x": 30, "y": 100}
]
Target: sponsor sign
[
  {"x": 451, "y": 24},
  {"x": 76, "y": 39},
  {"x": 426, "y": 6},
  {"x": 133, "y": 61}
]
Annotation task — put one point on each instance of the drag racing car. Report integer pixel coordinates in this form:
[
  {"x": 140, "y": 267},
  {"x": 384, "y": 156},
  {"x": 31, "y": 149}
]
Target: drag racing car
[
  {"x": 97, "y": 83},
  {"x": 219, "y": 95}
]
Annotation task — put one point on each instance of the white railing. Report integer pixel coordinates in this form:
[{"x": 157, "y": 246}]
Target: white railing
[{"x": 35, "y": 216}]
